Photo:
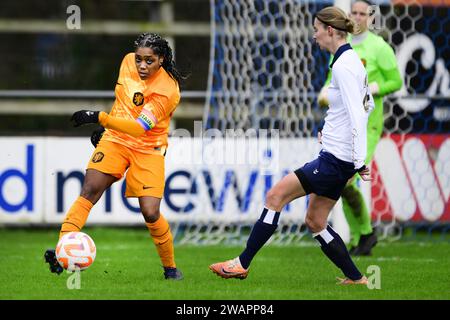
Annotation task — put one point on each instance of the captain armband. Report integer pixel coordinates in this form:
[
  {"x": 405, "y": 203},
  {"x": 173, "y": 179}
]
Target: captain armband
[{"x": 147, "y": 120}]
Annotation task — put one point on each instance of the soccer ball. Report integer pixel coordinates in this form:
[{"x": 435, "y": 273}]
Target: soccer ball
[{"x": 75, "y": 251}]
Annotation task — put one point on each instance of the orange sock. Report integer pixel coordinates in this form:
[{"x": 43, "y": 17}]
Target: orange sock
[
  {"x": 162, "y": 237},
  {"x": 77, "y": 216}
]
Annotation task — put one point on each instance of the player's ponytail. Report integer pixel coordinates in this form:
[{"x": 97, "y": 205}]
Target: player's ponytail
[
  {"x": 337, "y": 19},
  {"x": 161, "y": 47},
  {"x": 349, "y": 25}
]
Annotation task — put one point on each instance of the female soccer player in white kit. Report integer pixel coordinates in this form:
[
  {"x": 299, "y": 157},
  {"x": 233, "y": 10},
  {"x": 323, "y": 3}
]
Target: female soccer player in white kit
[{"x": 342, "y": 156}]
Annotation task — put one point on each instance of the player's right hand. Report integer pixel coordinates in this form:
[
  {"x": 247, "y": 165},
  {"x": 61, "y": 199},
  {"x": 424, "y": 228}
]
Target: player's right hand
[
  {"x": 84, "y": 117},
  {"x": 96, "y": 136}
]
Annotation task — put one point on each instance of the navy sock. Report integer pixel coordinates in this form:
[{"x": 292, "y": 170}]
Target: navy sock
[
  {"x": 261, "y": 232},
  {"x": 335, "y": 249}
]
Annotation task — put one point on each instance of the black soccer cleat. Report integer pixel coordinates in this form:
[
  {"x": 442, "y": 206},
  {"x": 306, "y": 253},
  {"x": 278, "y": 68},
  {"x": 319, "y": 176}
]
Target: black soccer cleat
[
  {"x": 50, "y": 258},
  {"x": 172, "y": 274},
  {"x": 365, "y": 244}
]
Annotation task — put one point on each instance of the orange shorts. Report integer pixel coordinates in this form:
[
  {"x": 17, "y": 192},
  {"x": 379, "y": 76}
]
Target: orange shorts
[{"x": 144, "y": 172}]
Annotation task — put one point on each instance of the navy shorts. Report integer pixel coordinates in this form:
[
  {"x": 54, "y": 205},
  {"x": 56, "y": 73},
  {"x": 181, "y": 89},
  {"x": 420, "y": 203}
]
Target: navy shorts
[{"x": 325, "y": 176}]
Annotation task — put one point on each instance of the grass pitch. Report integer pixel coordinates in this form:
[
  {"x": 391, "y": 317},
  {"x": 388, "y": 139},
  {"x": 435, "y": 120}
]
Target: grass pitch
[{"x": 127, "y": 267}]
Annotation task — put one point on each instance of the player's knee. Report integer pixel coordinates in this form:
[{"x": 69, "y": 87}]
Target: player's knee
[
  {"x": 150, "y": 213},
  {"x": 314, "y": 225},
  {"x": 274, "y": 200},
  {"x": 91, "y": 192}
]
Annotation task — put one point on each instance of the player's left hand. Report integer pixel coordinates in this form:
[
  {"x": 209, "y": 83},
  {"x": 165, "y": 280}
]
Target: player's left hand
[
  {"x": 322, "y": 98},
  {"x": 365, "y": 174},
  {"x": 84, "y": 117}
]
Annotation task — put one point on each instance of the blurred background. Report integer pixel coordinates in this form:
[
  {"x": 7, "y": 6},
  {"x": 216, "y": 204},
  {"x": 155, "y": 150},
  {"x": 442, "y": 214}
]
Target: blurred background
[
  {"x": 253, "y": 65},
  {"x": 49, "y": 70}
]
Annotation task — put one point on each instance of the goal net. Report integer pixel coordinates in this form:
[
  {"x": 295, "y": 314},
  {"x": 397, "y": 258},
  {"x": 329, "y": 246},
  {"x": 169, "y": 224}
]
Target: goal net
[
  {"x": 411, "y": 186},
  {"x": 265, "y": 73}
]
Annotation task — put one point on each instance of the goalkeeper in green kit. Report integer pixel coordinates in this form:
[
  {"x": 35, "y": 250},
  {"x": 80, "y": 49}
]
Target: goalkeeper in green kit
[{"x": 384, "y": 78}]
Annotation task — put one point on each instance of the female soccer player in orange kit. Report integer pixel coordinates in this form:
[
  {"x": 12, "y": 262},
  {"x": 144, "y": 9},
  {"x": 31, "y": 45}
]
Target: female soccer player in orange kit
[{"x": 135, "y": 141}]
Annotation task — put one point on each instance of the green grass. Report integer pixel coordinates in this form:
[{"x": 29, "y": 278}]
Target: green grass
[{"x": 127, "y": 267}]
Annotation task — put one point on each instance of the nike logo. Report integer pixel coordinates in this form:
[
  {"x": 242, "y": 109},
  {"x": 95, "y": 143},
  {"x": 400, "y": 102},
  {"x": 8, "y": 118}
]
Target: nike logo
[
  {"x": 229, "y": 272},
  {"x": 316, "y": 171},
  {"x": 89, "y": 113},
  {"x": 146, "y": 187},
  {"x": 161, "y": 243}
]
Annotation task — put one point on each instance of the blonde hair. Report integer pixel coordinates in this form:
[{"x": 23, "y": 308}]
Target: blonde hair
[{"x": 337, "y": 19}]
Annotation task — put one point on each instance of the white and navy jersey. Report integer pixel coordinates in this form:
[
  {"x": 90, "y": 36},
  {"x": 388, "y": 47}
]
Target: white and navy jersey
[{"x": 345, "y": 131}]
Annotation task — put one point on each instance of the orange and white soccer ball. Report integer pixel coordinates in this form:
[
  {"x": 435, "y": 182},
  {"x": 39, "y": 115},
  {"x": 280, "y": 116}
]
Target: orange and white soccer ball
[{"x": 75, "y": 251}]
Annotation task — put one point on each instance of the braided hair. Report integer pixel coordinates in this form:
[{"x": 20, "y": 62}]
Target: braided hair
[{"x": 160, "y": 47}]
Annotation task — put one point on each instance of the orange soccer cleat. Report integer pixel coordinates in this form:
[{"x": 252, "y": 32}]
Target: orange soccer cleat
[
  {"x": 229, "y": 269},
  {"x": 346, "y": 281}
]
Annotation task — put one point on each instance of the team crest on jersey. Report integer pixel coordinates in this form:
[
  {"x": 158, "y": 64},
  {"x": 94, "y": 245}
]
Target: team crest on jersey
[
  {"x": 138, "y": 99},
  {"x": 97, "y": 157}
]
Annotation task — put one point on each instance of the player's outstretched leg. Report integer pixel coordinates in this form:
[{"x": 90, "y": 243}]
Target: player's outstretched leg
[
  {"x": 74, "y": 221},
  {"x": 286, "y": 190},
  {"x": 50, "y": 258},
  {"x": 76, "y": 216},
  {"x": 261, "y": 232}
]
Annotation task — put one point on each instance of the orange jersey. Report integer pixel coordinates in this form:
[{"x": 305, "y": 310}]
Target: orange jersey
[{"x": 155, "y": 98}]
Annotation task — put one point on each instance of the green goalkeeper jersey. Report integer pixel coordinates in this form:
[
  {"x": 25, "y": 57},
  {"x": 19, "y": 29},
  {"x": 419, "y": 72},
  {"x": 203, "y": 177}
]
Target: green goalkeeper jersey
[{"x": 381, "y": 65}]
